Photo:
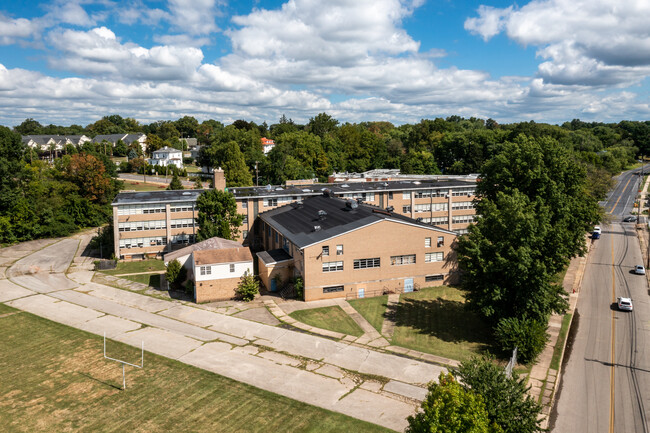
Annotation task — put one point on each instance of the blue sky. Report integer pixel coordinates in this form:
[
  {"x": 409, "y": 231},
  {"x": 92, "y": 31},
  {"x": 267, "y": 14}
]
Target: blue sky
[{"x": 75, "y": 61}]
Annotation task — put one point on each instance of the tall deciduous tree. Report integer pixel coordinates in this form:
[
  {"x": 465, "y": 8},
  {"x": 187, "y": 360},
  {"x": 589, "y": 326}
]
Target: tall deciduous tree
[
  {"x": 449, "y": 407},
  {"x": 218, "y": 215},
  {"x": 89, "y": 174},
  {"x": 506, "y": 398}
]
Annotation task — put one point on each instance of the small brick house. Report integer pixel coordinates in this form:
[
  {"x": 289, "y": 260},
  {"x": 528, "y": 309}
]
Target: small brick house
[{"x": 215, "y": 267}]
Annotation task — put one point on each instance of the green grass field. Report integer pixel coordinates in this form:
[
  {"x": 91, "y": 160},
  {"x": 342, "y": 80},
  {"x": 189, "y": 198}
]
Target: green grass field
[
  {"x": 559, "y": 346},
  {"x": 331, "y": 318},
  {"x": 137, "y": 266},
  {"x": 434, "y": 320},
  {"x": 55, "y": 379},
  {"x": 372, "y": 309}
]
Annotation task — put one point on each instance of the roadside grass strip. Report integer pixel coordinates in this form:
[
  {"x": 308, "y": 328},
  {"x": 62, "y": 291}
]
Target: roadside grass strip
[
  {"x": 372, "y": 309},
  {"x": 55, "y": 378},
  {"x": 330, "y": 318},
  {"x": 434, "y": 320},
  {"x": 559, "y": 345}
]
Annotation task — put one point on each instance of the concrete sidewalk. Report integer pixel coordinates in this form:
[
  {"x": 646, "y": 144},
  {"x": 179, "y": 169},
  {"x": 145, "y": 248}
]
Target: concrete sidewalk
[{"x": 374, "y": 386}]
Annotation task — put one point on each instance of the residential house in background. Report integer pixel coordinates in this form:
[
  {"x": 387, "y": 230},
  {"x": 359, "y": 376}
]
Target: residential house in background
[
  {"x": 167, "y": 156},
  {"x": 267, "y": 145},
  {"x": 343, "y": 248},
  {"x": 51, "y": 146},
  {"x": 215, "y": 267},
  {"x": 127, "y": 139}
]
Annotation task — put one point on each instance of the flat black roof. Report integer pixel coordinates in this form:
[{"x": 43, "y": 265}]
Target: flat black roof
[
  {"x": 171, "y": 196},
  {"x": 351, "y": 187},
  {"x": 319, "y": 218}
]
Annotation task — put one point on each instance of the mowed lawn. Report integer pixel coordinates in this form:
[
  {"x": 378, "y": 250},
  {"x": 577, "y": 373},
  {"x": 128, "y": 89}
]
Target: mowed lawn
[
  {"x": 55, "y": 379},
  {"x": 149, "y": 265},
  {"x": 434, "y": 320},
  {"x": 141, "y": 186},
  {"x": 332, "y": 318},
  {"x": 372, "y": 309}
]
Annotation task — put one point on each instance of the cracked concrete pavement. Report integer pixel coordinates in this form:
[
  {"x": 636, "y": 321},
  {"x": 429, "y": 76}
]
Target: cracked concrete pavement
[{"x": 355, "y": 380}]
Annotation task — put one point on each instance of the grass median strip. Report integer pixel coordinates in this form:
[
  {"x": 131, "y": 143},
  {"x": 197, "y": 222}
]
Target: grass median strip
[
  {"x": 372, "y": 309},
  {"x": 330, "y": 318},
  {"x": 559, "y": 345},
  {"x": 54, "y": 378}
]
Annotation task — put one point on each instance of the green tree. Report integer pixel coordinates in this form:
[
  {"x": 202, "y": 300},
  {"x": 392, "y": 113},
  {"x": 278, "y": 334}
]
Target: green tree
[
  {"x": 89, "y": 174},
  {"x": 29, "y": 127},
  {"x": 175, "y": 274},
  {"x": 218, "y": 215},
  {"x": 450, "y": 408},
  {"x": 527, "y": 335},
  {"x": 175, "y": 183},
  {"x": 198, "y": 183},
  {"x": 248, "y": 287},
  {"x": 506, "y": 398},
  {"x": 120, "y": 148}
]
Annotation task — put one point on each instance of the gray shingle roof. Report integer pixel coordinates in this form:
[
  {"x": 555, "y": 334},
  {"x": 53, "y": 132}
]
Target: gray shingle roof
[{"x": 306, "y": 224}]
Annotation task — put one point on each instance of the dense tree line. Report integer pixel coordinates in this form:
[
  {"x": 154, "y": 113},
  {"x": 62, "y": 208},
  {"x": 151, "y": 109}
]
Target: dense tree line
[
  {"x": 40, "y": 200},
  {"x": 454, "y": 145}
]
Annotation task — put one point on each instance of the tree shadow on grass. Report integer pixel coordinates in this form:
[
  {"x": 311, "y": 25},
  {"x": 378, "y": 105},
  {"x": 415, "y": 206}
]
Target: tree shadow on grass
[{"x": 444, "y": 319}]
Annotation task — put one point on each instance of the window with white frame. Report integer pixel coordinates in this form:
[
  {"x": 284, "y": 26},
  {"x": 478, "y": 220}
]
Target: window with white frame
[
  {"x": 332, "y": 266},
  {"x": 438, "y": 207},
  {"x": 427, "y": 242},
  {"x": 325, "y": 251},
  {"x": 434, "y": 257},
  {"x": 339, "y": 250},
  {"x": 206, "y": 270},
  {"x": 332, "y": 289},
  {"x": 407, "y": 259},
  {"x": 426, "y": 207},
  {"x": 462, "y": 219},
  {"x": 406, "y": 209},
  {"x": 462, "y": 205},
  {"x": 181, "y": 206},
  {"x": 406, "y": 195},
  {"x": 437, "y": 277},
  {"x": 367, "y": 263},
  {"x": 232, "y": 267},
  {"x": 441, "y": 241},
  {"x": 438, "y": 221},
  {"x": 244, "y": 204},
  {"x": 180, "y": 223},
  {"x": 141, "y": 225}
]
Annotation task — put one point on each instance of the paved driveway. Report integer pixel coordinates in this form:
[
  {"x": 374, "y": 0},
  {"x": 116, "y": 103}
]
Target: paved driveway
[{"x": 319, "y": 371}]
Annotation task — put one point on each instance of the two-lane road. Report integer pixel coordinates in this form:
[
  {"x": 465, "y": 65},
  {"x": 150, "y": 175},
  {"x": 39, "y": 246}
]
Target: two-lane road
[{"x": 606, "y": 382}]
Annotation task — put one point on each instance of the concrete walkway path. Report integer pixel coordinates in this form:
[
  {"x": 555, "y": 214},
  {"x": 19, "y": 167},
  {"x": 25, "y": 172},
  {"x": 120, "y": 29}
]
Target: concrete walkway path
[
  {"x": 388, "y": 327},
  {"x": 338, "y": 375}
]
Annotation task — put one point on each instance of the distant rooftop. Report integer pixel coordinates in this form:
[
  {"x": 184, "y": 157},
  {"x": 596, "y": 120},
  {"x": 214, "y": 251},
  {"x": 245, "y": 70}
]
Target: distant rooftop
[{"x": 157, "y": 196}]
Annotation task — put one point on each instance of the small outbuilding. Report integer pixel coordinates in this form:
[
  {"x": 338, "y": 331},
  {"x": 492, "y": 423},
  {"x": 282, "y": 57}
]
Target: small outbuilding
[{"x": 215, "y": 267}]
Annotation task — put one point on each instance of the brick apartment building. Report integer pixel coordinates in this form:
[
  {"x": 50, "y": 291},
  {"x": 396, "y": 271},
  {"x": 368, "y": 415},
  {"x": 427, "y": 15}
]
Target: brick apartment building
[
  {"x": 341, "y": 248},
  {"x": 149, "y": 224}
]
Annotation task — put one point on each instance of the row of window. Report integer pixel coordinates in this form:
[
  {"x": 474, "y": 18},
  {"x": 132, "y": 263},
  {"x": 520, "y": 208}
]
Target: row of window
[
  {"x": 439, "y": 243},
  {"x": 183, "y": 239},
  {"x": 462, "y": 205},
  {"x": 365, "y": 196},
  {"x": 207, "y": 270},
  {"x": 326, "y": 250},
  {"x": 143, "y": 242},
  {"x": 186, "y": 206},
  {"x": 462, "y": 219},
  {"x": 375, "y": 262},
  {"x": 141, "y": 225},
  {"x": 437, "y": 221},
  {"x": 463, "y": 191},
  {"x": 180, "y": 223},
  {"x": 139, "y": 209},
  {"x": 275, "y": 201}
]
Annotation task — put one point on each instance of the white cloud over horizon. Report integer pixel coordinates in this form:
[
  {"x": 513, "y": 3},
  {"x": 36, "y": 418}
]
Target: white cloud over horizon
[{"x": 354, "y": 60}]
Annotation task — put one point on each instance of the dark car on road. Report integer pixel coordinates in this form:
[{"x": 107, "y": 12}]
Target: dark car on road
[{"x": 629, "y": 219}]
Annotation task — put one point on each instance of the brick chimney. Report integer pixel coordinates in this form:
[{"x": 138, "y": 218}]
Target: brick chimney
[{"x": 219, "y": 179}]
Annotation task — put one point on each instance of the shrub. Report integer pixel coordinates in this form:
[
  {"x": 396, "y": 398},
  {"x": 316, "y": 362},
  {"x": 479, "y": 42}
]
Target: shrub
[
  {"x": 299, "y": 285},
  {"x": 248, "y": 287},
  {"x": 527, "y": 335},
  {"x": 175, "y": 274}
]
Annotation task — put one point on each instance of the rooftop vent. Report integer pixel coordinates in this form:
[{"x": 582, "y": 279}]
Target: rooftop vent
[
  {"x": 351, "y": 204},
  {"x": 306, "y": 190},
  {"x": 385, "y": 184},
  {"x": 419, "y": 219},
  {"x": 390, "y": 208},
  {"x": 345, "y": 185},
  {"x": 322, "y": 214},
  {"x": 316, "y": 228},
  {"x": 417, "y": 182},
  {"x": 187, "y": 193},
  {"x": 269, "y": 187},
  {"x": 359, "y": 200},
  {"x": 279, "y": 189}
]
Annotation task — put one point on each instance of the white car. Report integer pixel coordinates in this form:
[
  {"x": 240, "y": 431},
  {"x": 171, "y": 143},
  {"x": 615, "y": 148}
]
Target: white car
[
  {"x": 597, "y": 229},
  {"x": 639, "y": 270},
  {"x": 625, "y": 304}
]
